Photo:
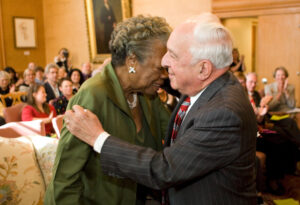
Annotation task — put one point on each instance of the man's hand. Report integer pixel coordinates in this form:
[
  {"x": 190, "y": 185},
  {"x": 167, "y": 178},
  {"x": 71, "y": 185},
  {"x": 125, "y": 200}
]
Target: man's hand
[{"x": 83, "y": 124}]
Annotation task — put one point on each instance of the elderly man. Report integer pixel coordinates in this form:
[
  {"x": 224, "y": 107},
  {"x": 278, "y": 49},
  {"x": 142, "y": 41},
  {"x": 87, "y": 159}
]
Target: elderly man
[{"x": 209, "y": 154}]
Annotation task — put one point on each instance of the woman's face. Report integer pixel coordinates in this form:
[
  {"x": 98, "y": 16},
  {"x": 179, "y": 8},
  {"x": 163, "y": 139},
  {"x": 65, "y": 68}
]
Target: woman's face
[
  {"x": 280, "y": 76},
  {"x": 75, "y": 77},
  {"x": 66, "y": 88},
  {"x": 29, "y": 77},
  {"x": 40, "y": 95},
  {"x": 235, "y": 54},
  {"x": 149, "y": 75},
  {"x": 4, "y": 83}
]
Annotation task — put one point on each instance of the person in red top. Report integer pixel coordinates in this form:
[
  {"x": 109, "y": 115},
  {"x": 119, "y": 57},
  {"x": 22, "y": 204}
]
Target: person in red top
[{"x": 37, "y": 107}]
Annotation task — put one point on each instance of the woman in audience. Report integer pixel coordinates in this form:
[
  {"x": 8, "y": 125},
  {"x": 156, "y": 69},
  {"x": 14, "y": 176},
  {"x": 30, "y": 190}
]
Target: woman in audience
[
  {"x": 77, "y": 79},
  {"x": 124, "y": 98},
  {"x": 29, "y": 80},
  {"x": 283, "y": 93},
  {"x": 37, "y": 108},
  {"x": 237, "y": 63},
  {"x": 66, "y": 89},
  {"x": 4, "y": 87},
  {"x": 15, "y": 81}
]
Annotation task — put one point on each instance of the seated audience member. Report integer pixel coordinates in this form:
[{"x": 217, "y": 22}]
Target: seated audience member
[
  {"x": 15, "y": 81},
  {"x": 51, "y": 86},
  {"x": 62, "y": 73},
  {"x": 37, "y": 107},
  {"x": 281, "y": 152},
  {"x": 66, "y": 89},
  {"x": 29, "y": 79},
  {"x": 283, "y": 93},
  {"x": 86, "y": 70},
  {"x": 63, "y": 60},
  {"x": 32, "y": 65},
  {"x": 237, "y": 63},
  {"x": 39, "y": 75},
  {"x": 241, "y": 78},
  {"x": 77, "y": 79},
  {"x": 4, "y": 87}
]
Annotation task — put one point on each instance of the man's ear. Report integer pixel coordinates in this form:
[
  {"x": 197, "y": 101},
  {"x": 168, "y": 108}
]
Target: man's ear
[{"x": 204, "y": 69}]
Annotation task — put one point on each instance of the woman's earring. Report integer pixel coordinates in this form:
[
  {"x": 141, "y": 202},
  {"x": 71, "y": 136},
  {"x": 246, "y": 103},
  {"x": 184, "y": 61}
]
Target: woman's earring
[{"x": 131, "y": 70}]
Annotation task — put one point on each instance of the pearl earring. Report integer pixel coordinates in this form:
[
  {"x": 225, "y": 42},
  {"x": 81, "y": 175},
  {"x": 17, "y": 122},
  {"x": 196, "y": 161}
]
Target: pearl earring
[{"x": 131, "y": 70}]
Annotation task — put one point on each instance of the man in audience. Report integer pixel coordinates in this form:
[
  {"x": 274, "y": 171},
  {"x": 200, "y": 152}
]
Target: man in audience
[
  {"x": 39, "y": 75},
  {"x": 211, "y": 158},
  {"x": 51, "y": 86},
  {"x": 86, "y": 70}
]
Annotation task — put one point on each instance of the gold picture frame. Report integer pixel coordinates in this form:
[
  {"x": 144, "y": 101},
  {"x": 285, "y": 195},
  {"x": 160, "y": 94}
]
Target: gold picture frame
[
  {"x": 95, "y": 13},
  {"x": 25, "y": 32}
]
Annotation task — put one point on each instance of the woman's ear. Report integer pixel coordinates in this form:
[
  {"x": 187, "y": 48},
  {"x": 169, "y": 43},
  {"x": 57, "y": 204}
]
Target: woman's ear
[{"x": 131, "y": 60}]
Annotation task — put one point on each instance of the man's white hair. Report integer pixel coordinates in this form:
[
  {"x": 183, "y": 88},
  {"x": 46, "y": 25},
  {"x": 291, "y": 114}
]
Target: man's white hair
[{"x": 212, "y": 41}]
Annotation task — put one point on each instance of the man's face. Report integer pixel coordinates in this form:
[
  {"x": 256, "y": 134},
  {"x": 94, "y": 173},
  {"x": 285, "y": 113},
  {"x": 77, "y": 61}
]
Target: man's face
[
  {"x": 178, "y": 60},
  {"x": 52, "y": 75},
  {"x": 251, "y": 81}
]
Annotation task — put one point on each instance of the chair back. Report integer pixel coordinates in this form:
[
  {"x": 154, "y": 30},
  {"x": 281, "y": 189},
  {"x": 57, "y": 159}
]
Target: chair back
[
  {"x": 15, "y": 96},
  {"x": 13, "y": 113},
  {"x": 57, "y": 123}
]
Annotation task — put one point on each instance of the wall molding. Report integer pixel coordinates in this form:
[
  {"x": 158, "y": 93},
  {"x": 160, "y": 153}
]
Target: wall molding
[{"x": 243, "y": 8}]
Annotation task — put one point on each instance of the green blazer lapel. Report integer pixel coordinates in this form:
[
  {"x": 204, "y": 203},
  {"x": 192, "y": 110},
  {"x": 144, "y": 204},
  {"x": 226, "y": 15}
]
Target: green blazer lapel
[
  {"x": 148, "y": 112},
  {"x": 114, "y": 89}
]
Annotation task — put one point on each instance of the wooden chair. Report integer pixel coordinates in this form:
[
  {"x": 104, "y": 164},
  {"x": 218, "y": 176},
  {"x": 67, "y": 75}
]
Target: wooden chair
[{"x": 15, "y": 96}]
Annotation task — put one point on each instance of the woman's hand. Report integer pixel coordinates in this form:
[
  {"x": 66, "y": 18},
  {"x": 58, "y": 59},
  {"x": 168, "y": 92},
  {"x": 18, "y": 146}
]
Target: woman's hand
[{"x": 84, "y": 124}]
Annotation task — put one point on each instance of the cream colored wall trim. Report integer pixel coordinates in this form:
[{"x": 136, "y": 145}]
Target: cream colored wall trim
[{"x": 241, "y": 8}]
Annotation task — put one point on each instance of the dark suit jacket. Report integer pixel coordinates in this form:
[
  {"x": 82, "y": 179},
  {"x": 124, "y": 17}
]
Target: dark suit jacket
[
  {"x": 49, "y": 91},
  {"x": 213, "y": 158}
]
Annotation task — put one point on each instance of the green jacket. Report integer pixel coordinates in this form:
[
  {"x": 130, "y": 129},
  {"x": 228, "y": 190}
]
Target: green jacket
[{"x": 77, "y": 176}]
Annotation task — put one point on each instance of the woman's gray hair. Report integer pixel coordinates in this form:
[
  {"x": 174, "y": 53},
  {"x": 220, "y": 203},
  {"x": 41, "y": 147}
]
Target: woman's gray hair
[
  {"x": 135, "y": 36},
  {"x": 212, "y": 41}
]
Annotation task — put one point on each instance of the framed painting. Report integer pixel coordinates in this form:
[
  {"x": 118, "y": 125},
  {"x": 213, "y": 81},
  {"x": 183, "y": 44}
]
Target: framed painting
[
  {"x": 102, "y": 17},
  {"x": 25, "y": 32}
]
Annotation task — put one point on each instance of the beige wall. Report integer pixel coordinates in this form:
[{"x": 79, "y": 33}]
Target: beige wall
[
  {"x": 279, "y": 45},
  {"x": 13, "y": 56},
  {"x": 241, "y": 30},
  {"x": 175, "y": 11},
  {"x": 65, "y": 26}
]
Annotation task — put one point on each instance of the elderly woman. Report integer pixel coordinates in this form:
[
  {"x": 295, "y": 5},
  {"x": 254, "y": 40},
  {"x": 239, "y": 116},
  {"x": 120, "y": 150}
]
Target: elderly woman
[
  {"x": 4, "y": 86},
  {"x": 29, "y": 80},
  {"x": 282, "y": 92},
  {"x": 123, "y": 96}
]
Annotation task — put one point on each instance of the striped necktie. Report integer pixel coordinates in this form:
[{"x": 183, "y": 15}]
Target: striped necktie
[{"x": 179, "y": 117}]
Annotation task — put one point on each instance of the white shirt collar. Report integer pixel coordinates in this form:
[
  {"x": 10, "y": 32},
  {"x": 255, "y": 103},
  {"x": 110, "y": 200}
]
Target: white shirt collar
[{"x": 194, "y": 99}]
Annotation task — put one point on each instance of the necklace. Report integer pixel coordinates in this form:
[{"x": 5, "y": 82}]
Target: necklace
[{"x": 134, "y": 102}]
